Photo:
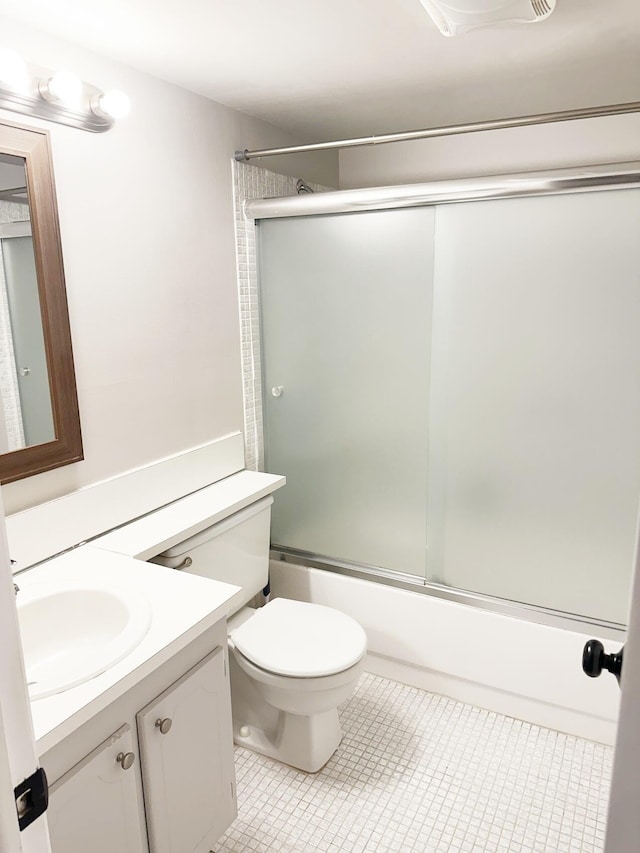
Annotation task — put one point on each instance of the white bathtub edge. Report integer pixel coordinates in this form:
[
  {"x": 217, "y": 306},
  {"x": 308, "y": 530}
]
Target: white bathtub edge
[{"x": 520, "y": 669}]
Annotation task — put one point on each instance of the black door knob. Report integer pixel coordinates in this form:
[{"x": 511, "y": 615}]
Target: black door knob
[{"x": 594, "y": 660}]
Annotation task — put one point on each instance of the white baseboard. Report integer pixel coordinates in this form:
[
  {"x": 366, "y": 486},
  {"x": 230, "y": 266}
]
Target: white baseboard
[
  {"x": 50, "y": 528},
  {"x": 521, "y": 669}
]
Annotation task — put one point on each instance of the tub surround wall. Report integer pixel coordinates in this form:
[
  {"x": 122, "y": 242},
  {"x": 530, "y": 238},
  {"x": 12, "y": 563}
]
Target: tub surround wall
[
  {"x": 520, "y": 669},
  {"x": 147, "y": 227}
]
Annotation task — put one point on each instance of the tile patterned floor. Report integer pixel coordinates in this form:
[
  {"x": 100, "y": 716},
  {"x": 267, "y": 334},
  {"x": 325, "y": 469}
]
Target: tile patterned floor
[{"x": 419, "y": 773}]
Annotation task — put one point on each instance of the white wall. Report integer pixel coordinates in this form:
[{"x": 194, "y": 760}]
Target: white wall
[
  {"x": 604, "y": 140},
  {"x": 146, "y": 216}
]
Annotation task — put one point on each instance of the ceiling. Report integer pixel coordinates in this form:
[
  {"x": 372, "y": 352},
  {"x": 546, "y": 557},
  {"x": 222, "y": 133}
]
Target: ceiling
[{"x": 335, "y": 68}]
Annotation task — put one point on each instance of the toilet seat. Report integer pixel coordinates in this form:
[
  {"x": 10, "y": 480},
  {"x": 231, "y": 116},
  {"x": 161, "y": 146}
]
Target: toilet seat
[{"x": 300, "y": 640}]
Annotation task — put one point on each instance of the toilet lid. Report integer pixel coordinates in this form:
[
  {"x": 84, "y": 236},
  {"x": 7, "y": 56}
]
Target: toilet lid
[{"x": 298, "y": 639}]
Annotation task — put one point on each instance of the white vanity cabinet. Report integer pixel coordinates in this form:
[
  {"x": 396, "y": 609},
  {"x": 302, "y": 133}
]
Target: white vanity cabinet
[
  {"x": 97, "y": 805},
  {"x": 164, "y": 782}
]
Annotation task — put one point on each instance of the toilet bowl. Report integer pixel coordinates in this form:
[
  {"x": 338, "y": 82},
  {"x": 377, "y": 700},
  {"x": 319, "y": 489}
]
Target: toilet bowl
[{"x": 291, "y": 663}]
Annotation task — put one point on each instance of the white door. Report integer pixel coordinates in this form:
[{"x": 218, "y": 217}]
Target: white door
[
  {"x": 18, "y": 758},
  {"x": 623, "y": 826}
]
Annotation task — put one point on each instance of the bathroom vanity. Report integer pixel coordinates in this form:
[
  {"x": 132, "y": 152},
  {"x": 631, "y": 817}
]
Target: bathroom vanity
[
  {"x": 139, "y": 756},
  {"x": 154, "y": 770}
]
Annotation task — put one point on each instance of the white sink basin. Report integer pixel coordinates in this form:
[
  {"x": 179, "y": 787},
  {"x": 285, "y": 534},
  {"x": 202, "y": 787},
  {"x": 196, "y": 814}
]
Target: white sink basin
[{"x": 73, "y": 631}]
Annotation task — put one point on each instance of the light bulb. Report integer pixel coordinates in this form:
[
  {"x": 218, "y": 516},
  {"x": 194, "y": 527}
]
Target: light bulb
[
  {"x": 13, "y": 71},
  {"x": 63, "y": 86},
  {"x": 114, "y": 104}
]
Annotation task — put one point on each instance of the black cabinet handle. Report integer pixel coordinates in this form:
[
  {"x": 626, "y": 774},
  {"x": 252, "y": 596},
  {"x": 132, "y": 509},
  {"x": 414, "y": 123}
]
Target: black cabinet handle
[{"x": 594, "y": 660}]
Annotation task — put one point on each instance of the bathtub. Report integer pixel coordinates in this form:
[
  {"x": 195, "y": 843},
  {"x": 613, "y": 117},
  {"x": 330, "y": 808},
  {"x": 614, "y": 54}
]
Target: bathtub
[{"x": 515, "y": 667}]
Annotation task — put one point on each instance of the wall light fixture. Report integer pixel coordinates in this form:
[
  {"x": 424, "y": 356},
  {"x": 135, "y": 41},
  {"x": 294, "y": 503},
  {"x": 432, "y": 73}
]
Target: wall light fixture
[{"x": 59, "y": 96}]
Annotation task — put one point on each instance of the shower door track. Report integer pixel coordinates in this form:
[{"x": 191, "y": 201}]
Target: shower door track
[
  {"x": 524, "y": 184},
  {"x": 414, "y": 583}
]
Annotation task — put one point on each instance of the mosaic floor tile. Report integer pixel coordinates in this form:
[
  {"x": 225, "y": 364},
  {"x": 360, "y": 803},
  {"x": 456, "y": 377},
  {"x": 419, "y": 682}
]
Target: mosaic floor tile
[{"x": 420, "y": 773}]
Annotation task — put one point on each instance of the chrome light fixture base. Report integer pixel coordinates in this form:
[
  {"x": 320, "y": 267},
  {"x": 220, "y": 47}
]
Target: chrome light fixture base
[{"x": 36, "y": 105}]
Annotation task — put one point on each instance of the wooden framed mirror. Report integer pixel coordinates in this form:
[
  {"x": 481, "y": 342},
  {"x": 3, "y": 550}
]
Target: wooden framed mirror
[{"x": 39, "y": 417}]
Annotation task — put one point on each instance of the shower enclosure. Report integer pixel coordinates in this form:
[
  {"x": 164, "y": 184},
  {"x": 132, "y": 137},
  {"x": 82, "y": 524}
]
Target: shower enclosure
[{"x": 453, "y": 392}]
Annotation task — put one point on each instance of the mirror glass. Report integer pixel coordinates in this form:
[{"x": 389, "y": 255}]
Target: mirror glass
[
  {"x": 39, "y": 418},
  {"x": 26, "y": 416}
]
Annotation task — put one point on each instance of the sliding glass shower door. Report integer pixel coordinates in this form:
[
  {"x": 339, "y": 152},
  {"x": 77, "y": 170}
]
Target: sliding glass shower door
[
  {"x": 453, "y": 393},
  {"x": 534, "y": 477},
  {"x": 346, "y": 314}
]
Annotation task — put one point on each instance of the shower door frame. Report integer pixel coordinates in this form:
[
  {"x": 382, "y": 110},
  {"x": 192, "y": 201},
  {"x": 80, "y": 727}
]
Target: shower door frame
[{"x": 527, "y": 184}]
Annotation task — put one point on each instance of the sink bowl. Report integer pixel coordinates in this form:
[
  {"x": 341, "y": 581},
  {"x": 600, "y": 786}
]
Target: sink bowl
[{"x": 72, "y": 632}]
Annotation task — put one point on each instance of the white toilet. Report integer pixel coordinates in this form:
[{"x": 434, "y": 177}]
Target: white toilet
[{"x": 292, "y": 663}]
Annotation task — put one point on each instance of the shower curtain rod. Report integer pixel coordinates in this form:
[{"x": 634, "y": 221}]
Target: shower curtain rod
[{"x": 450, "y": 130}]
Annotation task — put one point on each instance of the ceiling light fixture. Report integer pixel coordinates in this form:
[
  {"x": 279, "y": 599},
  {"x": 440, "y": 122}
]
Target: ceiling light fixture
[
  {"x": 59, "y": 96},
  {"x": 453, "y": 17}
]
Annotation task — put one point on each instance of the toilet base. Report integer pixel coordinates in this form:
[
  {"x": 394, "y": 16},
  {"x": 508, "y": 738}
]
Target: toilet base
[{"x": 303, "y": 742}]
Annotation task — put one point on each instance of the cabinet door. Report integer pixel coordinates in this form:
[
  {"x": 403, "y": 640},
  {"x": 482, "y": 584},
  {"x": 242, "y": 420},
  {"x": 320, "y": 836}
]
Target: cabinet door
[
  {"x": 97, "y": 805},
  {"x": 186, "y": 748}
]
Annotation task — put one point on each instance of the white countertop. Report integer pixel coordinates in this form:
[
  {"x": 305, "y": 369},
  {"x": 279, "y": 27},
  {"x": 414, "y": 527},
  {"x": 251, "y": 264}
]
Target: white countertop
[{"x": 183, "y": 605}]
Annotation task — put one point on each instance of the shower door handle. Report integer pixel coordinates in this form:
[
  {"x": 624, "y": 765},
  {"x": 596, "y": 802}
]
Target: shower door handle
[{"x": 594, "y": 660}]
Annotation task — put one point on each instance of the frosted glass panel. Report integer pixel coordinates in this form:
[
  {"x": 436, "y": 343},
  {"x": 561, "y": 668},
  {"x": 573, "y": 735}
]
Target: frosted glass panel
[
  {"x": 535, "y": 410},
  {"x": 346, "y": 317}
]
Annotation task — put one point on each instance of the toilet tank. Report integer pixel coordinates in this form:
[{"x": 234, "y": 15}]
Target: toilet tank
[{"x": 235, "y": 550}]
